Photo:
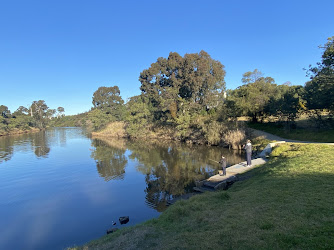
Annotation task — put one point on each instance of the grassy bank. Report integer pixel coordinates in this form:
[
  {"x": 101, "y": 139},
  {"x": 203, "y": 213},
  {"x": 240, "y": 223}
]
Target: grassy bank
[
  {"x": 287, "y": 203},
  {"x": 302, "y": 134},
  {"x": 115, "y": 129}
]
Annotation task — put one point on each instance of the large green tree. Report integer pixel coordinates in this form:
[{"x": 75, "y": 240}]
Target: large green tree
[
  {"x": 288, "y": 102},
  {"x": 320, "y": 89},
  {"x": 251, "y": 98},
  {"x": 109, "y": 100},
  {"x": 178, "y": 84},
  {"x": 138, "y": 116}
]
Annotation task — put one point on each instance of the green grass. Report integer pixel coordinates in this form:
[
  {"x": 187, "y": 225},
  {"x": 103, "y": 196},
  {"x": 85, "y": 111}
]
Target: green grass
[
  {"x": 287, "y": 203},
  {"x": 302, "y": 134}
]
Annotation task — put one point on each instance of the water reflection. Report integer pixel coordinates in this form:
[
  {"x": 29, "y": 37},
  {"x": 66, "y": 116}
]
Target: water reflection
[
  {"x": 110, "y": 159},
  {"x": 39, "y": 143},
  {"x": 49, "y": 179},
  {"x": 170, "y": 169},
  {"x": 6, "y": 149}
]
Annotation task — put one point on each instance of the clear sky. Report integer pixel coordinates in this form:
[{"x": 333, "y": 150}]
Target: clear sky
[{"x": 62, "y": 51}]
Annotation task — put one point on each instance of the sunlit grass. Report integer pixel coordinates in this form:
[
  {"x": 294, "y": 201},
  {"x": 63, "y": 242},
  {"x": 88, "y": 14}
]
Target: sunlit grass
[
  {"x": 113, "y": 129},
  {"x": 288, "y": 203}
]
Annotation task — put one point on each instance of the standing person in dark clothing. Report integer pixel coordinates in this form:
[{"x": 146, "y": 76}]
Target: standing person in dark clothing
[
  {"x": 248, "y": 148},
  {"x": 223, "y": 164}
]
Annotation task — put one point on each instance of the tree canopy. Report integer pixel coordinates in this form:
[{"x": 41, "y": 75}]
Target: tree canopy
[
  {"x": 109, "y": 100},
  {"x": 178, "y": 84},
  {"x": 251, "y": 98},
  {"x": 320, "y": 89},
  {"x": 4, "y": 111}
]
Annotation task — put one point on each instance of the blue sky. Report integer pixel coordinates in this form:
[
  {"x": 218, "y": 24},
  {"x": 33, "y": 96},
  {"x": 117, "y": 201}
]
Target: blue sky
[{"x": 62, "y": 51}]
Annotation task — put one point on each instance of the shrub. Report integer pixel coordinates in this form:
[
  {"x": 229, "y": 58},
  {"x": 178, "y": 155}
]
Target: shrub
[
  {"x": 234, "y": 138},
  {"x": 213, "y": 132}
]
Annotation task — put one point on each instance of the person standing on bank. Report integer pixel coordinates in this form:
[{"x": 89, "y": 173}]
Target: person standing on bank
[
  {"x": 223, "y": 164},
  {"x": 248, "y": 149}
]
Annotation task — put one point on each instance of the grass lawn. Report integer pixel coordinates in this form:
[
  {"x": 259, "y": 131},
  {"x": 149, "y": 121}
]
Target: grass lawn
[
  {"x": 302, "y": 134},
  {"x": 287, "y": 203}
]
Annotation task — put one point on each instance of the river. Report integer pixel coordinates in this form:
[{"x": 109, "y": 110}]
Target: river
[{"x": 60, "y": 188}]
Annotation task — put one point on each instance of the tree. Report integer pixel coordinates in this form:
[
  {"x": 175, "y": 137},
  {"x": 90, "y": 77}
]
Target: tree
[
  {"x": 251, "y": 98},
  {"x": 60, "y": 111},
  {"x": 320, "y": 89},
  {"x": 287, "y": 103},
  {"x": 138, "y": 116},
  {"x": 21, "y": 111},
  {"x": 50, "y": 113},
  {"x": 4, "y": 111},
  {"x": 178, "y": 84},
  {"x": 108, "y": 100},
  {"x": 99, "y": 118},
  {"x": 251, "y": 77},
  {"x": 38, "y": 110}
]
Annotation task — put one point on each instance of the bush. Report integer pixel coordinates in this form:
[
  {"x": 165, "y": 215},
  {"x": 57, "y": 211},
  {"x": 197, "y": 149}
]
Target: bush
[
  {"x": 234, "y": 138},
  {"x": 99, "y": 119},
  {"x": 213, "y": 132}
]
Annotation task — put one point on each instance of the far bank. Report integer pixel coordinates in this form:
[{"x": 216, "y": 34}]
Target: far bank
[{"x": 19, "y": 131}]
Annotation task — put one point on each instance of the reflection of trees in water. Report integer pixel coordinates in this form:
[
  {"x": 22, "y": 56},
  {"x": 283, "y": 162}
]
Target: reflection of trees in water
[
  {"x": 59, "y": 136},
  {"x": 6, "y": 148},
  {"x": 39, "y": 142},
  {"x": 172, "y": 168},
  {"x": 110, "y": 159},
  {"x": 35, "y": 142},
  {"x": 41, "y": 145}
]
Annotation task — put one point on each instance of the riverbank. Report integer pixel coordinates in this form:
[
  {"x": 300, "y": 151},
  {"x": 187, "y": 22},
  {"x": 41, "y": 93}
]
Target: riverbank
[
  {"x": 232, "y": 135},
  {"x": 288, "y": 203},
  {"x": 119, "y": 130},
  {"x": 19, "y": 131}
]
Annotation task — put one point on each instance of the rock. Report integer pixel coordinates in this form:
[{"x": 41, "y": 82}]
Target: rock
[
  {"x": 124, "y": 219},
  {"x": 111, "y": 230}
]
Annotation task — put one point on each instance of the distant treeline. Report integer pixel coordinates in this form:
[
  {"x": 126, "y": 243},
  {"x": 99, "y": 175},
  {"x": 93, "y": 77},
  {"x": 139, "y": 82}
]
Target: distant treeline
[
  {"x": 37, "y": 115},
  {"x": 187, "y": 95}
]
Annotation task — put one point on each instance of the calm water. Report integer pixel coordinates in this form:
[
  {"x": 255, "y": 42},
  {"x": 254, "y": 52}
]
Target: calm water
[{"x": 59, "y": 188}]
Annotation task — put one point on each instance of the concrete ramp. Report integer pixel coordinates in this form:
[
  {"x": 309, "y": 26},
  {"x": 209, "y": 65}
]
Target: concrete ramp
[{"x": 223, "y": 182}]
